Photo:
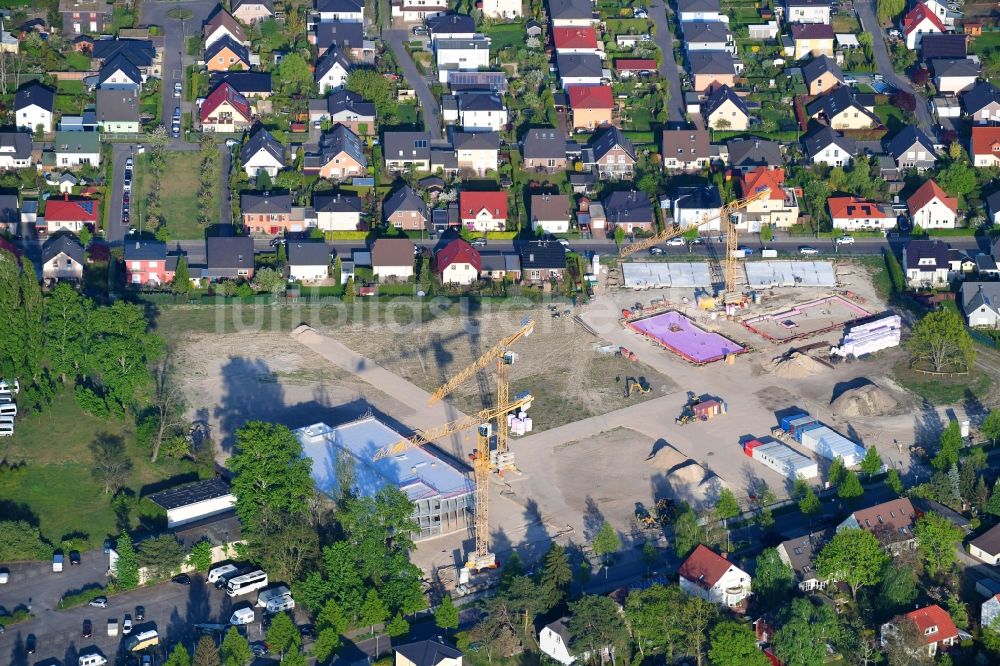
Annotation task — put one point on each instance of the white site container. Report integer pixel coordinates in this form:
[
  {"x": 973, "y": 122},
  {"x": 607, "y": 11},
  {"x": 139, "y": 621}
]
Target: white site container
[
  {"x": 785, "y": 460},
  {"x": 527, "y": 423},
  {"x": 829, "y": 444}
]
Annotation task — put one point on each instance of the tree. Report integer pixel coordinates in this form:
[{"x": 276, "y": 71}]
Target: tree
[
  {"x": 897, "y": 590},
  {"x": 734, "y": 644},
  {"x": 167, "y": 407},
  {"x": 446, "y": 615},
  {"x": 127, "y": 566},
  {"x": 349, "y": 291},
  {"x": 904, "y": 100},
  {"x": 595, "y": 625},
  {"x": 805, "y": 631},
  {"x": 283, "y": 636},
  {"x": 687, "y": 532},
  {"x": 200, "y": 556},
  {"x": 850, "y": 488},
  {"x": 19, "y": 540},
  {"x": 497, "y": 631},
  {"x": 66, "y": 330},
  {"x": 606, "y": 542},
  {"x": 993, "y": 505},
  {"x": 810, "y": 504},
  {"x": 871, "y": 464},
  {"x": 556, "y": 575},
  {"x": 525, "y": 599},
  {"x": 375, "y": 87},
  {"x": 726, "y": 506},
  {"x": 937, "y": 538},
  {"x": 178, "y": 657},
  {"x": 836, "y": 472},
  {"x": 111, "y": 462},
  {"x": 904, "y": 644},
  {"x": 854, "y": 557},
  {"x": 330, "y": 622},
  {"x": 235, "y": 649},
  {"x": 653, "y": 616},
  {"x": 161, "y": 555},
  {"x": 958, "y": 179},
  {"x": 205, "y": 653},
  {"x": 941, "y": 343},
  {"x": 269, "y": 280},
  {"x": 398, "y": 626},
  {"x": 338, "y": 270},
  {"x": 894, "y": 482},
  {"x": 619, "y": 235},
  {"x": 949, "y": 445},
  {"x": 121, "y": 350},
  {"x": 374, "y": 610},
  {"x": 773, "y": 580},
  {"x": 697, "y": 615},
  {"x": 181, "y": 283}
]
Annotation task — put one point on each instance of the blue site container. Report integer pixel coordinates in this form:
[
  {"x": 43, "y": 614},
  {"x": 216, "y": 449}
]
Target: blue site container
[
  {"x": 806, "y": 428},
  {"x": 786, "y": 421}
]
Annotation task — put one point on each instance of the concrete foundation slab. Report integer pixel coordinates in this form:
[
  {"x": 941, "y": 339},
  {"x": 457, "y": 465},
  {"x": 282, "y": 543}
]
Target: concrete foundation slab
[
  {"x": 768, "y": 274},
  {"x": 653, "y": 275}
]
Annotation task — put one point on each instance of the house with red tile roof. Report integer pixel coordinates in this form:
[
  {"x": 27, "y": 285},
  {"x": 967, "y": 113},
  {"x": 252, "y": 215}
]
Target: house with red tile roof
[
  {"x": 854, "y": 214},
  {"x": 712, "y": 577},
  {"x": 934, "y": 627},
  {"x": 71, "y": 214},
  {"x": 225, "y": 110},
  {"x": 629, "y": 67},
  {"x": 592, "y": 106},
  {"x": 920, "y": 21},
  {"x": 575, "y": 39},
  {"x": 458, "y": 263},
  {"x": 780, "y": 208},
  {"x": 483, "y": 211},
  {"x": 931, "y": 208},
  {"x": 985, "y": 146}
]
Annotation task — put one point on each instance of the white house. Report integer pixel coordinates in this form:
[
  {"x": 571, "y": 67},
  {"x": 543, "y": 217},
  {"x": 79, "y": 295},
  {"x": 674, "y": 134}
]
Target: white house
[
  {"x": 931, "y": 208},
  {"x": 550, "y": 213},
  {"x": 15, "y": 150},
  {"x": 33, "y": 106},
  {"x": 981, "y": 305},
  {"x": 829, "y": 147},
  {"x": 458, "y": 263},
  {"x": 481, "y": 112},
  {"x": 478, "y": 152},
  {"x": 854, "y": 214},
  {"x": 332, "y": 70},
  {"x": 341, "y": 10},
  {"x": 806, "y": 11},
  {"x": 940, "y": 9},
  {"x": 411, "y": 11},
  {"x": 503, "y": 9},
  {"x": 926, "y": 263},
  {"x": 918, "y": 22},
  {"x": 461, "y": 55},
  {"x": 77, "y": 148},
  {"x": 700, "y": 11},
  {"x": 692, "y": 203},
  {"x": 392, "y": 258},
  {"x": 262, "y": 152},
  {"x": 708, "y": 575},
  {"x": 553, "y": 641},
  {"x": 483, "y": 211},
  {"x": 308, "y": 261},
  {"x": 337, "y": 212}
]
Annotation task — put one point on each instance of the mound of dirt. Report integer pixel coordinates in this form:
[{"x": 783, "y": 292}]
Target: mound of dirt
[
  {"x": 867, "y": 400},
  {"x": 796, "y": 366}
]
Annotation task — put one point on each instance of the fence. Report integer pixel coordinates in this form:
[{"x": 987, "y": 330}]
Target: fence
[{"x": 983, "y": 339}]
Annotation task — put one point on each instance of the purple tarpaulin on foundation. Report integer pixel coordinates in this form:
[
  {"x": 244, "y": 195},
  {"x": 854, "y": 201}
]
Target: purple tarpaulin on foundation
[{"x": 679, "y": 334}]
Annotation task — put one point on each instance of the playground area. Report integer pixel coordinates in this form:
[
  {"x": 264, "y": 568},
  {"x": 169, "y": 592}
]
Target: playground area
[
  {"x": 806, "y": 319},
  {"x": 683, "y": 337}
]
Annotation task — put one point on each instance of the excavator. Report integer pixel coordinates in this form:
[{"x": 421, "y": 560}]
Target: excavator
[{"x": 633, "y": 385}]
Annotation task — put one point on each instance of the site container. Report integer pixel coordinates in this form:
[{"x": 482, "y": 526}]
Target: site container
[
  {"x": 830, "y": 444},
  {"x": 785, "y": 461},
  {"x": 800, "y": 422},
  {"x": 709, "y": 408},
  {"x": 801, "y": 430},
  {"x": 786, "y": 421}
]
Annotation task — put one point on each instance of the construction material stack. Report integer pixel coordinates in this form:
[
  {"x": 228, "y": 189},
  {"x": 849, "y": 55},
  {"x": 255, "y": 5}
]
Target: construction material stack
[
  {"x": 869, "y": 338},
  {"x": 782, "y": 459}
]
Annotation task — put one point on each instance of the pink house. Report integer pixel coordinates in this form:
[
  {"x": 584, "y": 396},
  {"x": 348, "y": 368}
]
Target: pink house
[{"x": 146, "y": 264}]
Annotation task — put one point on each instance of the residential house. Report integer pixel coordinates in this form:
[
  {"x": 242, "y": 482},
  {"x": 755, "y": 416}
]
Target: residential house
[
  {"x": 986, "y": 546},
  {"x": 542, "y": 261},
  {"x": 341, "y": 155},
  {"x": 403, "y": 150},
  {"x": 347, "y": 36},
  {"x": 714, "y": 578},
  {"x": 709, "y": 36},
  {"x": 223, "y": 24},
  {"x": 225, "y": 110},
  {"x": 611, "y": 154},
  {"x": 10, "y": 217},
  {"x": 799, "y": 553},
  {"x": 550, "y": 213},
  {"x": 85, "y": 122},
  {"x": 993, "y": 207},
  {"x": 249, "y": 84},
  {"x": 931, "y": 208},
  {"x": 579, "y": 69},
  {"x": 571, "y": 13},
  {"x": 892, "y": 521},
  {"x": 337, "y": 212},
  {"x": 812, "y": 39},
  {"x": 544, "y": 150},
  {"x": 15, "y": 150},
  {"x": 33, "y": 107},
  {"x": 67, "y": 182},
  {"x": 940, "y": 9},
  {"x": 805, "y": 11},
  {"x": 458, "y": 263},
  {"x": 926, "y": 263},
  {"x": 262, "y": 152},
  {"x": 985, "y": 146},
  {"x": 79, "y": 16},
  {"x": 710, "y": 69},
  {"x": 911, "y": 149},
  {"x": 699, "y": 11},
  {"x": 685, "y": 150},
  {"x": 451, "y": 26},
  {"x": 628, "y": 68},
  {"x": 225, "y": 54},
  {"x": 483, "y": 211},
  {"x": 500, "y": 266},
  {"x": 982, "y": 103},
  {"x": 417, "y": 10},
  {"x": 267, "y": 213},
  {"x": 694, "y": 203},
  {"x": 855, "y": 214},
  {"x": 62, "y": 258},
  {"x": 479, "y": 111},
  {"x": 477, "y": 152},
  {"x": 427, "y": 653},
  {"x": 253, "y": 11},
  {"x": 943, "y": 46},
  {"x": 341, "y": 10},
  {"x": 841, "y": 109},
  {"x": 960, "y": 263},
  {"x": 989, "y": 611},
  {"x": 725, "y": 110},
  {"x": 822, "y": 74},
  {"x": 404, "y": 209},
  {"x": 463, "y": 55},
  {"x": 77, "y": 148},
  {"x": 918, "y": 22},
  {"x": 308, "y": 260},
  {"x": 345, "y": 108},
  {"x": 553, "y": 641},
  {"x": 825, "y": 146},
  {"x": 954, "y": 75},
  {"x": 746, "y": 154},
  {"x": 592, "y": 106},
  {"x": 118, "y": 111},
  {"x": 780, "y": 208},
  {"x": 630, "y": 211},
  {"x": 119, "y": 73},
  {"x": 140, "y": 51},
  {"x": 533, "y": 29},
  {"x": 392, "y": 258},
  {"x": 332, "y": 70},
  {"x": 146, "y": 263},
  {"x": 933, "y": 624},
  {"x": 229, "y": 258},
  {"x": 575, "y": 39},
  {"x": 501, "y": 9}
]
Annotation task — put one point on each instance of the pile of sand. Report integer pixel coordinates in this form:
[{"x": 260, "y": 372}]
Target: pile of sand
[
  {"x": 867, "y": 400},
  {"x": 796, "y": 365}
]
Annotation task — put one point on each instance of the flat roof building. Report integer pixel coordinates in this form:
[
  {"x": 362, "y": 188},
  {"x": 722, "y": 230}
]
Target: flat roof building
[{"x": 195, "y": 501}]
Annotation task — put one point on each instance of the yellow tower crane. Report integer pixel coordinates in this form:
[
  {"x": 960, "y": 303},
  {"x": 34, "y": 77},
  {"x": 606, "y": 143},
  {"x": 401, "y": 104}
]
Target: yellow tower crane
[{"x": 731, "y": 235}]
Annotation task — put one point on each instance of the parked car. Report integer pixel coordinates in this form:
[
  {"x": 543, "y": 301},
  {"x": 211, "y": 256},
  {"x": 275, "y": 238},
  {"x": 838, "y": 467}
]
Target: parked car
[
  {"x": 30, "y": 643},
  {"x": 182, "y": 579},
  {"x": 127, "y": 624},
  {"x": 99, "y": 602},
  {"x": 4, "y": 576},
  {"x": 177, "y": 89},
  {"x": 177, "y": 112},
  {"x": 259, "y": 649},
  {"x": 419, "y": 30},
  {"x": 140, "y": 613},
  {"x": 108, "y": 544},
  {"x": 128, "y": 163},
  {"x": 88, "y": 629},
  {"x": 845, "y": 240},
  {"x": 478, "y": 242},
  {"x": 656, "y": 251},
  {"x": 74, "y": 558},
  {"x": 808, "y": 251},
  {"x": 563, "y": 242},
  {"x": 676, "y": 241},
  {"x": 231, "y": 142}
]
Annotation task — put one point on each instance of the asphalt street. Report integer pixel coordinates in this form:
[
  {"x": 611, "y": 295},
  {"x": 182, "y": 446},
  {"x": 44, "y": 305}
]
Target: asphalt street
[
  {"x": 396, "y": 40},
  {"x": 116, "y": 231},
  {"x": 664, "y": 39}
]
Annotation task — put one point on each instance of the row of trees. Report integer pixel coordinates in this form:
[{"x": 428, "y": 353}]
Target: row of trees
[{"x": 283, "y": 638}]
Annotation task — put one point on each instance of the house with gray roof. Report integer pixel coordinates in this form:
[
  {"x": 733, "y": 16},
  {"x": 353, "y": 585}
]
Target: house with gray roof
[
  {"x": 982, "y": 103},
  {"x": 631, "y": 210},
  {"x": 709, "y": 36},
  {"x": 62, "y": 258},
  {"x": 121, "y": 73},
  {"x": 262, "y": 152},
  {"x": 402, "y": 150},
  {"x": 571, "y": 13},
  {"x": 799, "y": 553},
  {"x": 826, "y": 146},
  {"x": 981, "y": 303},
  {"x": 404, "y": 209},
  {"x": 954, "y": 75},
  {"x": 911, "y": 149},
  {"x": 229, "y": 258},
  {"x": 332, "y": 70},
  {"x": 748, "y": 154},
  {"x": 709, "y": 69},
  {"x": 544, "y": 149},
  {"x": 15, "y": 149},
  {"x": 341, "y": 155},
  {"x": 579, "y": 69},
  {"x": 118, "y": 111},
  {"x": 308, "y": 260}
]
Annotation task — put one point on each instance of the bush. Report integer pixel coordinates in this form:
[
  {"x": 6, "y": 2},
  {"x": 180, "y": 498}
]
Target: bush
[
  {"x": 84, "y": 596},
  {"x": 21, "y": 541},
  {"x": 20, "y": 614}
]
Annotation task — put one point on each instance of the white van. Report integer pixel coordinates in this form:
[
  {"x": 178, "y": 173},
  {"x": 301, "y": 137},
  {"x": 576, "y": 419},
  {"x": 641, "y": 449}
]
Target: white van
[
  {"x": 57, "y": 563},
  {"x": 6, "y": 429},
  {"x": 8, "y": 409},
  {"x": 279, "y": 604},
  {"x": 273, "y": 593},
  {"x": 242, "y": 616},
  {"x": 218, "y": 572},
  {"x": 93, "y": 659},
  {"x": 113, "y": 627}
]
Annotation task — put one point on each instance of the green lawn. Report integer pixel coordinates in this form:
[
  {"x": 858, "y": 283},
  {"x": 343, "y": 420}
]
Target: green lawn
[
  {"x": 945, "y": 390},
  {"x": 985, "y": 42},
  {"x": 629, "y": 26},
  {"x": 505, "y": 35},
  {"x": 178, "y": 193},
  {"x": 844, "y": 22},
  {"x": 77, "y": 62},
  {"x": 891, "y": 116}
]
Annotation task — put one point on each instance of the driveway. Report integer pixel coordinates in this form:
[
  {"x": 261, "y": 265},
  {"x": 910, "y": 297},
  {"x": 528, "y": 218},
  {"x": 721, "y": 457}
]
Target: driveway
[
  {"x": 664, "y": 39},
  {"x": 432, "y": 119},
  {"x": 115, "y": 231},
  {"x": 225, "y": 196},
  {"x": 884, "y": 64}
]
